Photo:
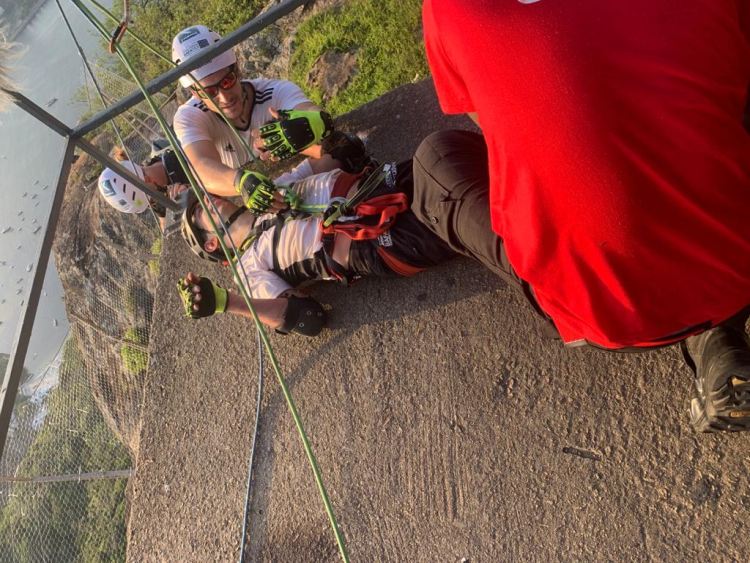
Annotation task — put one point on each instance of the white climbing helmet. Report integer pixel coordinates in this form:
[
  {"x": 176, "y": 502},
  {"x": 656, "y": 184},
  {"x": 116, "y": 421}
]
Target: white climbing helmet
[
  {"x": 120, "y": 193},
  {"x": 189, "y": 42}
]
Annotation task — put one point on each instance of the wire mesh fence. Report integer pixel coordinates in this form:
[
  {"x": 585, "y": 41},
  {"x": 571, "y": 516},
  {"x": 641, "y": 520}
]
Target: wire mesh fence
[
  {"x": 74, "y": 429},
  {"x": 57, "y": 503},
  {"x": 138, "y": 126},
  {"x": 48, "y": 512}
]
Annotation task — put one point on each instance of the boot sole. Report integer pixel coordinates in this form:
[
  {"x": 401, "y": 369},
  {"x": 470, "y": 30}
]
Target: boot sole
[{"x": 728, "y": 409}]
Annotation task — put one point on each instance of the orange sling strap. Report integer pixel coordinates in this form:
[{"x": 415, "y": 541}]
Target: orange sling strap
[{"x": 386, "y": 207}]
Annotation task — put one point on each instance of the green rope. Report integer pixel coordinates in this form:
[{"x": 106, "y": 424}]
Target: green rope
[
  {"x": 365, "y": 189},
  {"x": 243, "y": 290}
]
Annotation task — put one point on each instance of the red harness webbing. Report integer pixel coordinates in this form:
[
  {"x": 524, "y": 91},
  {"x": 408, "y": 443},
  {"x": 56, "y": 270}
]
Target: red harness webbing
[
  {"x": 387, "y": 206},
  {"x": 399, "y": 266},
  {"x": 344, "y": 183}
]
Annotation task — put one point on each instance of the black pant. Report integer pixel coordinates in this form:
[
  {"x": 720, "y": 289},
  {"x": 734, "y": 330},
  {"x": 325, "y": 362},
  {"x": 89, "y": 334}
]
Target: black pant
[
  {"x": 451, "y": 197},
  {"x": 408, "y": 240}
]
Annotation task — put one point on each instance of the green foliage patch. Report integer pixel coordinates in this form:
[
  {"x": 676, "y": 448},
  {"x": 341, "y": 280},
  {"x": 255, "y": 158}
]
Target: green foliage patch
[
  {"x": 153, "y": 264},
  {"x": 385, "y": 34},
  {"x": 154, "y": 267},
  {"x": 158, "y": 22},
  {"x": 133, "y": 353},
  {"x": 156, "y": 246}
]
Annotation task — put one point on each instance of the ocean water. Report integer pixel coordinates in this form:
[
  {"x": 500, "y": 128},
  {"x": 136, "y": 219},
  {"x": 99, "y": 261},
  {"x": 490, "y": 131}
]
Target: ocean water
[{"x": 51, "y": 73}]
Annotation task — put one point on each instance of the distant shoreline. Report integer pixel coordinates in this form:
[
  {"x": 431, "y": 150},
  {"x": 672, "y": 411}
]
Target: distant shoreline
[{"x": 27, "y": 20}]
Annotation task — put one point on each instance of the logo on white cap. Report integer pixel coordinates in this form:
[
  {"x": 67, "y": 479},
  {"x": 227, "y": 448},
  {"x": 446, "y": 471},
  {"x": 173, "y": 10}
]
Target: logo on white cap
[{"x": 189, "y": 42}]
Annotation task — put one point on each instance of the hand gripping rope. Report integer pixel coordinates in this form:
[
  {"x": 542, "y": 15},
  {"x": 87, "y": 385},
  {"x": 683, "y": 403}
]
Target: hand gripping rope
[{"x": 199, "y": 192}]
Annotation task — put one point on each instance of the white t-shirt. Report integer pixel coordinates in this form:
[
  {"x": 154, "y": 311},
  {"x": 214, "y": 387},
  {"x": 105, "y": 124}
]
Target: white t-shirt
[
  {"x": 299, "y": 250},
  {"x": 195, "y": 122}
]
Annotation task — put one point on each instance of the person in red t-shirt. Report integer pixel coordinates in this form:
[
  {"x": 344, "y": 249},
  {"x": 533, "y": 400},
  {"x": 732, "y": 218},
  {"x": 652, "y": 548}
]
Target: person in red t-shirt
[{"x": 613, "y": 168}]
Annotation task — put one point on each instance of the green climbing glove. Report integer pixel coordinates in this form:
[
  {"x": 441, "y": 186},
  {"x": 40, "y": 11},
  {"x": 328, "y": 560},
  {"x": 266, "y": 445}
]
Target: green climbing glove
[
  {"x": 294, "y": 131},
  {"x": 213, "y": 298},
  {"x": 255, "y": 189}
]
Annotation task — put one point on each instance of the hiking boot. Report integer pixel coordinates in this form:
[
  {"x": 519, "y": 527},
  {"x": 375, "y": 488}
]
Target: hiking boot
[{"x": 720, "y": 360}]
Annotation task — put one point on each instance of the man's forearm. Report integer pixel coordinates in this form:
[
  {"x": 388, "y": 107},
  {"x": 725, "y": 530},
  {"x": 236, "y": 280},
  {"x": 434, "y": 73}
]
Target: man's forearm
[
  {"x": 217, "y": 178},
  {"x": 270, "y": 311}
]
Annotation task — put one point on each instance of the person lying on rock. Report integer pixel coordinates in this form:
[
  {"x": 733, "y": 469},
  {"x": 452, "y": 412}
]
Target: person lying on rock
[{"x": 331, "y": 226}]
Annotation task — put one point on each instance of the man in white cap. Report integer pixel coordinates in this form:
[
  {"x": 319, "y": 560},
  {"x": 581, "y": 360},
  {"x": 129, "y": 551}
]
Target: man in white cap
[{"x": 273, "y": 116}]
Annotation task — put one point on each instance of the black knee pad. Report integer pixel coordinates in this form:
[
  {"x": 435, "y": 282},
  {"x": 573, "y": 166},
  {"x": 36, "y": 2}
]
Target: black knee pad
[
  {"x": 304, "y": 316},
  {"x": 349, "y": 150}
]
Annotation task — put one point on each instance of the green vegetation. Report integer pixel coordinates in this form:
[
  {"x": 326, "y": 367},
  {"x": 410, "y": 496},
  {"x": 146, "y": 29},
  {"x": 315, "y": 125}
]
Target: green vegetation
[
  {"x": 385, "y": 34},
  {"x": 153, "y": 264},
  {"x": 154, "y": 268},
  {"x": 158, "y": 22},
  {"x": 68, "y": 521},
  {"x": 133, "y": 353},
  {"x": 156, "y": 246}
]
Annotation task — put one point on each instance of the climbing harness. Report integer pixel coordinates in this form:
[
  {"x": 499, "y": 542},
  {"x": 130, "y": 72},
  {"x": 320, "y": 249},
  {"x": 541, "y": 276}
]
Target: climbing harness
[{"x": 360, "y": 218}]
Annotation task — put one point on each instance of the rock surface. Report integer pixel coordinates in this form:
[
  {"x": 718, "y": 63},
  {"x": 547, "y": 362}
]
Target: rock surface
[
  {"x": 446, "y": 426},
  {"x": 268, "y": 52},
  {"x": 332, "y": 72}
]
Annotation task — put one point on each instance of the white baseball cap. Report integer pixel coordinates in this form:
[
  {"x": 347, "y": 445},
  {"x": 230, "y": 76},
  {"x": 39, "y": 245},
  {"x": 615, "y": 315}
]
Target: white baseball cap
[
  {"x": 119, "y": 192},
  {"x": 191, "y": 41}
]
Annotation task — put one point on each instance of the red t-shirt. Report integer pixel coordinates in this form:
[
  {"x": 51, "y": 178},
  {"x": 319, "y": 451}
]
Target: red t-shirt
[{"x": 619, "y": 168}]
